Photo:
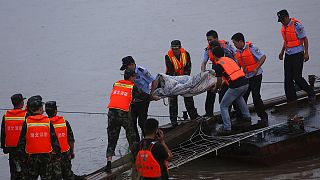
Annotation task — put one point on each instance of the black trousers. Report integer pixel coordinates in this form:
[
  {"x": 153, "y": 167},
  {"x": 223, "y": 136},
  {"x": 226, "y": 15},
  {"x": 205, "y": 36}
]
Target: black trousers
[
  {"x": 254, "y": 88},
  {"x": 209, "y": 104},
  {"x": 139, "y": 111},
  {"x": 173, "y": 108},
  {"x": 293, "y": 66}
]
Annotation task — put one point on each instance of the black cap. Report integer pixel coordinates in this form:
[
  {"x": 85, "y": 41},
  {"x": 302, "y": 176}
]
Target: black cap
[
  {"x": 33, "y": 98},
  {"x": 175, "y": 44},
  {"x": 282, "y": 14},
  {"x": 128, "y": 73},
  {"x": 126, "y": 61},
  {"x": 51, "y": 105},
  {"x": 16, "y": 99},
  {"x": 35, "y": 105},
  {"x": 214, "y": 44}
]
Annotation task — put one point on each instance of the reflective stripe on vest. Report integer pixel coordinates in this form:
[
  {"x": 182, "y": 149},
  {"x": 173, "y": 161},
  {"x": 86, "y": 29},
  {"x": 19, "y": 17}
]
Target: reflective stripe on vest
[
  {"x": 231, "y": 68},
  {"x": 147, "y": 166},
  {"x": 38, "y": 135},
  {"x": 223, "y": 44},
  {"x": 121, "y": 95},
  {"x": 289, "y": 35},
  {"x": 178, "y": 65},
  {"x": 60, "y": 128},
  {"x": 13, "y": 124},
  {"x": 246, "y": 59}
]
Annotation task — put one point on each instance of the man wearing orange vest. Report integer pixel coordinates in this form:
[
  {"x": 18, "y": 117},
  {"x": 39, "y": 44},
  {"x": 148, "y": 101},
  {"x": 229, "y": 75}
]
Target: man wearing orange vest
[
  {"x": 152, "y": 153},
  {"x": 229, "y": 70},
  {"x": 38, "y": 144},
  {"x": 295, "y": 45},
  {"x": 10, "y": 131},
  {"x": 229, "y": 52},
  {"x": 178, "y": 63},
  {"x": 122, "y": 95},
  {"x": 250, "y": 58},
  {"x": 66, "y": 140}
]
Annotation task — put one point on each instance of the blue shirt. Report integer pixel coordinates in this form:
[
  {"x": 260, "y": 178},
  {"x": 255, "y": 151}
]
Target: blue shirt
[
  {"x": 143, "y": 79},
  {"x": 257, "y": 54},
  {"x": 229, "y": 52},
  {"x": 299, "y": 29}
]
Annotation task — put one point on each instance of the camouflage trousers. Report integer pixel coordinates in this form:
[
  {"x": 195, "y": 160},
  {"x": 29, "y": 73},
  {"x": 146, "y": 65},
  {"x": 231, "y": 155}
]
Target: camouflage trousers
[
  {"x": 173, "y": 108},
  {"x": 116, "y": 120},
  {"x": 13, "y": 163},
  {"x": 39, "y": 165},
  {"x": 61, "y": 168}
]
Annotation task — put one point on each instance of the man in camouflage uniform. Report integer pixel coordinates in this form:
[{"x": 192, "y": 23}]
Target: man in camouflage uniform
[
  {"x": 38, "y": 163},
  {"x": 65, "y": 162},
  {"x": 10, "y": 127},
  {"x": 122, "y": 95}
]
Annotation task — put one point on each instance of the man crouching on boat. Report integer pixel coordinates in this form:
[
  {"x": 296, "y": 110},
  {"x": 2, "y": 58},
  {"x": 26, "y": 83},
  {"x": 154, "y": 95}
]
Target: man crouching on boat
[
  {"x": 122, "y": 95},
  {"x": 228, "y": 69},
  {"x": 152, "y": 153}
]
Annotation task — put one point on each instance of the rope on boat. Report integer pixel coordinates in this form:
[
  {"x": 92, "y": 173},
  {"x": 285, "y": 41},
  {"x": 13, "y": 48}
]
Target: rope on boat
[{"x": 201, "y": 144}]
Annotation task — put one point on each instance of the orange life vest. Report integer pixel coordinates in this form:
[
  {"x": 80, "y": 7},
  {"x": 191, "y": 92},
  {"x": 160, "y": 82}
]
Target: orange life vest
[
  {"x": 13, "y": 125},
  {"x": 223, "y": 44},
  {"x": 60, "y": 128},
  {"x": 246, "y": 59},
  {"x": 121, "y": 95},
  {"x": 289, "y": 35},
  {"x": 38, "y": 135},
  {"x": 231, "y": 68},
  {"x": 178, "y": 65},
  {"x": 147, "y": 166}
]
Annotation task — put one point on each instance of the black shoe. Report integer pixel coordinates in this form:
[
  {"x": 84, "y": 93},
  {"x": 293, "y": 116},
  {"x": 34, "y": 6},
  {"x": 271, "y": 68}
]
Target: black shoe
[
  {"x": 223, "y": 132},
  {"x": 174, "y": 125},
  {"x": 207, "y": 115},
  {"x": 108, "y": 167},
  {"x": 312, "y": 99},
  {"x": 263, "y": 122}
]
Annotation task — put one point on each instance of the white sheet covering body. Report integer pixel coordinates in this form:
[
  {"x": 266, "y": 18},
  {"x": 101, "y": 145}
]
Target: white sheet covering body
[{"x": 186, "y": 86}]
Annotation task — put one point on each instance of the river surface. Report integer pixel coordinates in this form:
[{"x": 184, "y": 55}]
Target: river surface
[{"x": 70, "y": 51}]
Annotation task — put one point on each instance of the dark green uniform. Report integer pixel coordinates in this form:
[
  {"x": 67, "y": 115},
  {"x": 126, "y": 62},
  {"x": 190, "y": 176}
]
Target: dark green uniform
[
  {"x": 13, "y": 158},
  {"x": 38, "y": 164},
  {"x": 118, "y": 118},
  {"x": 62, "y": 167}
]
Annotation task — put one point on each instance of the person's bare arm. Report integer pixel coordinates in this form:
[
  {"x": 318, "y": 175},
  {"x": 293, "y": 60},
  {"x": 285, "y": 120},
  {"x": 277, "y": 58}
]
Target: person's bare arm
[
  {"x": 306, "y": 49},
  {"x": 261, "y": 61},
  {"x": 282, "y": 52},
  {"x": 161, "y": 139}
]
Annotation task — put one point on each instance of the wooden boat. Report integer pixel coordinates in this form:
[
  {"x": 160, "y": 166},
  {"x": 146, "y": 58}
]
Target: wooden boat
[
  {"x": 297, "y": 137},
  {"x": 263, "y": 149}
]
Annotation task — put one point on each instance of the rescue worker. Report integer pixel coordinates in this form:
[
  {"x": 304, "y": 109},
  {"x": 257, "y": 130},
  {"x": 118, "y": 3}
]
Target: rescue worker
[
  {"x": 228, "y": 69},
  {"x": 66, "y": 140},
  {"x": 38, "y": 144},
  {"x": 250, "y": 58},
  {"x": 122, "y": 95},
  {"x": 178, "y": 63},
  {"x": 143, "y": 80},
  {"x": 10, "y": 131},
  {"x": 32, "y": 98},
  {"x": 295, "y": 46},
  {"x": 152, "y": 153},
  {"x": 224, "y": 86},
  {"x": 212, "y": 35}
]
